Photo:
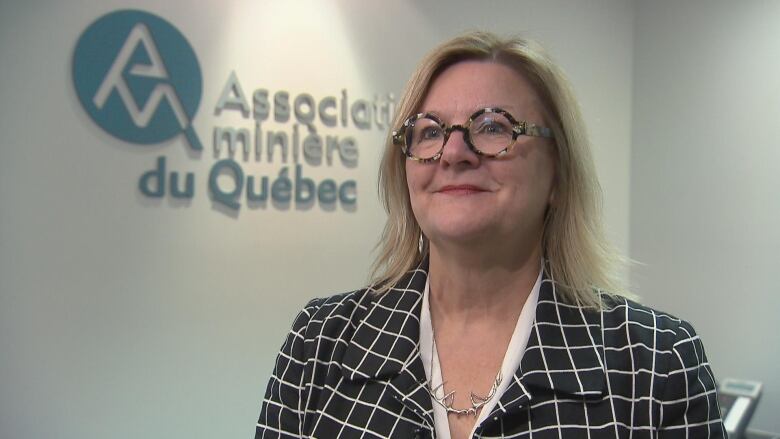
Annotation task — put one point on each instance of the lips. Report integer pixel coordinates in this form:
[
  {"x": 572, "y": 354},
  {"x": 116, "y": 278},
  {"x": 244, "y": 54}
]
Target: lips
[{"x": 460, "y": 189}]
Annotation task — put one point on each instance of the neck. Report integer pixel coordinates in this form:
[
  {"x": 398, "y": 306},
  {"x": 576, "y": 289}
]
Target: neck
[{"x": 471, "y": 287}]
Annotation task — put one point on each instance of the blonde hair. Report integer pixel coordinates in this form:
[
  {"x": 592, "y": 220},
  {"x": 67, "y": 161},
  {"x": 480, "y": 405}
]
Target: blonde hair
[{"x": 580, "y": 260}]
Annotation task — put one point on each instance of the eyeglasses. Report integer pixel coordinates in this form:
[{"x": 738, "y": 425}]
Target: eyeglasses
[{"x": 490, "y": 132}]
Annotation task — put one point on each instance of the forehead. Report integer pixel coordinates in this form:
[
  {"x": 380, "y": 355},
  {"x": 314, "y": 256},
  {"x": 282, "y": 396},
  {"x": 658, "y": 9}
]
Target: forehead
[{"x": 468, "y": 86}]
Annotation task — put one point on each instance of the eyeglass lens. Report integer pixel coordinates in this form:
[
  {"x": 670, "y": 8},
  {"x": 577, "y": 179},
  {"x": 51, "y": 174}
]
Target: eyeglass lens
[{"x": 490, "y": 133}]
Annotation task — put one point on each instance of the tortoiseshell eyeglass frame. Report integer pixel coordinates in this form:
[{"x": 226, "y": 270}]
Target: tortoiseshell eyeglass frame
[{"x": 519, "y": 128}]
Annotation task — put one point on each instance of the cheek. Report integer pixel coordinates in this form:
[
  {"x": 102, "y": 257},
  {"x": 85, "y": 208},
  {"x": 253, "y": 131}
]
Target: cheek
[
  {"x": 540, "y": 169},
  {"x": 416, "y": 178},
  {"x": 533, "y": 182},
  {"x": 410, "y": 182},
  {"x": 411, "y": 187},
  {"x": 550, "y": 178}
]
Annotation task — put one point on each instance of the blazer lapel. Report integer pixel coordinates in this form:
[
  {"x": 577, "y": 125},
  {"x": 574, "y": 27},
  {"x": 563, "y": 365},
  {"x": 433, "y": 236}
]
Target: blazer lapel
[
  {"x": 564, "y": 353},
  {"x": 385, "y": 345}
]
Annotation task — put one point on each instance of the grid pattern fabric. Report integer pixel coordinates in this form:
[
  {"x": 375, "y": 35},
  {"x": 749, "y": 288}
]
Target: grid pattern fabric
[{"x": 350, "y": 368}]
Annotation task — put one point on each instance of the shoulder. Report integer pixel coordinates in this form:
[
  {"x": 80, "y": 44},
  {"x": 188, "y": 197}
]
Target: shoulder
[
  {"x": 658, "y": 354},
  {"x": 657, "y": 345},
  {"x": 341, "y": 314},
  {"x": 620, "y": 310},
  {"x": 333, "y": 314},
  {"x": 629, "y": 323}
]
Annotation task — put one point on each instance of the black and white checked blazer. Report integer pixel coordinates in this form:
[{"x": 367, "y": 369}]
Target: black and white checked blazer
[{"x": 351, "y": 368}]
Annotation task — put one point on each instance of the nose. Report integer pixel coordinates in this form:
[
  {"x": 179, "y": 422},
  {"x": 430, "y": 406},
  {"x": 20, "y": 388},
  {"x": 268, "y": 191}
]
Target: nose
[{"x": 456, "y": 150}]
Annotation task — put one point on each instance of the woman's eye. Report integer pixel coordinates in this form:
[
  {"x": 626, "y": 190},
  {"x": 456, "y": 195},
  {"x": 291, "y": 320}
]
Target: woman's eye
[
  {"x": 491, "y": 127},
  {"x": 494, "y": 128},
  {"x": 430, "y": 133}
]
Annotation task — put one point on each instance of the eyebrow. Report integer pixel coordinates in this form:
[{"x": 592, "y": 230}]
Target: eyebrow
[
  {"x": 508, "y": 107},
  {"x": 512, "y": 109}
]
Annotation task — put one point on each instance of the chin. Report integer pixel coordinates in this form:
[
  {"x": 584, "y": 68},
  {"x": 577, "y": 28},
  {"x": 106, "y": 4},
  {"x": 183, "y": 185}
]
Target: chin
[{"x": 467, "y": 230}]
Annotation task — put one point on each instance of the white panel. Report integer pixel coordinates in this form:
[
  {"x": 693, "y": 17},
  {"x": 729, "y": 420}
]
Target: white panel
[
  {"x": 704, "y": 198},
  {"x": 736, "y": 413},
  {"x": 123, "y": 316}
]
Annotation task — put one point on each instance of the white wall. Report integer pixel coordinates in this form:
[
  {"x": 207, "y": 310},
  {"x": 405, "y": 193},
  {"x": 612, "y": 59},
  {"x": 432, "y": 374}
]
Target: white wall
[
  {"x": 704, "y": 179},
  {"x": 125, "y": 317}
]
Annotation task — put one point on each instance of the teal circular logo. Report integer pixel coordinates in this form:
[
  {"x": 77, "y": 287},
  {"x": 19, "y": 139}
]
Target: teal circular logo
[{"x": 138, "y": 78}]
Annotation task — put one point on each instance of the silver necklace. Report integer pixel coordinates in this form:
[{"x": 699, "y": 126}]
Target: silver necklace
[{"x": 447, "y": 400}]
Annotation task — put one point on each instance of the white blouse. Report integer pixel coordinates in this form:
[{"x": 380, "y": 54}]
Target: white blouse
[{"x": 511, "y": 363}]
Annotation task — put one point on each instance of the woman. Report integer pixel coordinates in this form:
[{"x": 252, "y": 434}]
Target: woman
[{"x": 487, "y": 317}]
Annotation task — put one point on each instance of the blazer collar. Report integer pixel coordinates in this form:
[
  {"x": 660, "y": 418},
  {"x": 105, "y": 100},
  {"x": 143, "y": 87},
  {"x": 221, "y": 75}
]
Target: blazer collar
[
  {"x": 387, "y": 339},
  {"x": 564, "y": 352},
  {"x": 385, "y": 344},
  {"x": 565, "y": 349}
]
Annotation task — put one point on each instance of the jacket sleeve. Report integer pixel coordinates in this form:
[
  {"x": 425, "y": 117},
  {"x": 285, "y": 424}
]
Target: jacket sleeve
[
  {"x": 281, "y": 415},
  {"x": 690, "y": 402}
]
